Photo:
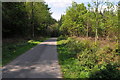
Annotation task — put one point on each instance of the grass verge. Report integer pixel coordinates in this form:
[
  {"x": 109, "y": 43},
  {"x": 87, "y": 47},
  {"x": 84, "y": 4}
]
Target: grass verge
[
  {"x": 12, "y": 50},
  {"x": 84, "y": 59}
]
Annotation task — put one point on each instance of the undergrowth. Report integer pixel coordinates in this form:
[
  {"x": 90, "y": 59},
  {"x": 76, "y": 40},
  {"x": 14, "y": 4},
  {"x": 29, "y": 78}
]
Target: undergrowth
[{"x": 84, "y": 59}]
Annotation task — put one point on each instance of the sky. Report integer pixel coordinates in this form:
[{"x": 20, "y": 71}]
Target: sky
[{"x": 58, "y": 7}]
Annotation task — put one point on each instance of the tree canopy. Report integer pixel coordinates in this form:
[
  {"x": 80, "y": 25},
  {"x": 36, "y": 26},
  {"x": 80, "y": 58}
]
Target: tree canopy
[
  {"x": 26, "y": 19},
  {"x": 91, "y": 20}
]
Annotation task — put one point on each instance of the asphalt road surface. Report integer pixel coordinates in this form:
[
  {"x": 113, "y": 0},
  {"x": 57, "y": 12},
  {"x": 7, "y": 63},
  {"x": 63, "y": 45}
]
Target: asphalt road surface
[{"x": 39, "y": 62}]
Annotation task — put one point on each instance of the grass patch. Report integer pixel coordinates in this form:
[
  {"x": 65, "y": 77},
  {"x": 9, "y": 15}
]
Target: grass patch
[
  {"x": 84, "y": 59},
  {"x": 12, "y": 50}
]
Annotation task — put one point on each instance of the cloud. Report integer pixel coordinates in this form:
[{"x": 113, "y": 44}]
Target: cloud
[
  {"x": 56, "y": 16},
  {"x": 58, "y": 7},
  {"x": 114, "y": 8},
  {"x": 59, "y": 3}
]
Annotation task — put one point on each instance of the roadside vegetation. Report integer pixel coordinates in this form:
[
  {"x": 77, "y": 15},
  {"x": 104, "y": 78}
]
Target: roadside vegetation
[
  {"x": 14, "y": 48},
  {"x": 89, "y": 46},
  {"x": 89, "y": 43},
  {"x": 82, "y": 58},
  {"x": 24, "y": 25}
]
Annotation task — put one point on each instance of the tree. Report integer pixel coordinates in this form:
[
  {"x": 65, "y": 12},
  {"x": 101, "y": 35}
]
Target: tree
[
  {"x": 73, "y": 23},
  {"x": 23, "y": 19},
  {"x": 91, "y": 21},
  {"x": 14, "y": 19}
]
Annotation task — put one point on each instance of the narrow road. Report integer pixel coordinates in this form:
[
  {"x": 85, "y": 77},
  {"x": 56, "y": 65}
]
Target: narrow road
[{"x": 39, "y": 62}]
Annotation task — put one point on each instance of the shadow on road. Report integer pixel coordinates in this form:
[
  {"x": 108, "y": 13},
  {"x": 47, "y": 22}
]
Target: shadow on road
[{"x": 39, "y": 62}]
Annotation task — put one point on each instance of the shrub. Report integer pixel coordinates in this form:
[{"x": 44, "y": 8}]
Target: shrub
[
  {"x": 84, "y": 59},
  {"x": 62, "y": 37}
]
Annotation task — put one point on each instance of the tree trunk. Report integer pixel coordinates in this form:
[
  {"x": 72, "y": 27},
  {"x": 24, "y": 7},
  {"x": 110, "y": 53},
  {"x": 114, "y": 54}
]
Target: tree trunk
[
  {"x": 33, "y": 19},
  {"x": 87, "y": 30},
  {"x": 96, "y": 35},
  {"x": 96, "y": 32}
]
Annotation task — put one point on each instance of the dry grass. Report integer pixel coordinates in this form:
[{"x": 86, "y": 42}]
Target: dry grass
[
  {"x": 104, "y": 55},
  {"x": 102, "y": 41}
]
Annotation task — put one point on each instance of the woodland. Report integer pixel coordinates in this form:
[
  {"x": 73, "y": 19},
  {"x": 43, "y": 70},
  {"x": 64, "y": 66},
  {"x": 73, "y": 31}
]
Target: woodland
[{"x": 88, "y": 35}]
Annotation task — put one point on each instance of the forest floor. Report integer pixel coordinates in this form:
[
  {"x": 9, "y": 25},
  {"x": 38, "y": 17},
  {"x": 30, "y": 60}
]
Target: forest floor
[{"x": 39, "y": 62}]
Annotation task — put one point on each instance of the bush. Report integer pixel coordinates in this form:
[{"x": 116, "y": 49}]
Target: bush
[
  {"x": 87, "y": 60},
  {"x": 62, "y": 37}
]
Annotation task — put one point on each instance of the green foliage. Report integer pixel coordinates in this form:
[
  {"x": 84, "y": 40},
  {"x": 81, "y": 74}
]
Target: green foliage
[
  {"x": 23, "y": 19},
  {"x": 73, "y": 22},
  {"x": 106, "y": 71},
  {"x": 84, "y": 59},
  {"x": 13, "y": 18},
  {"x": 90, "y": 21},
  {"x": 62, "y": 37}
]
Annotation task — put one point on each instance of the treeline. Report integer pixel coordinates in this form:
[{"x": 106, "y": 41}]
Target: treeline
[
  {"x": 89, "y": 44},
  {"x": 26, "y": 19},
  {"x": 91, "y": 21}
]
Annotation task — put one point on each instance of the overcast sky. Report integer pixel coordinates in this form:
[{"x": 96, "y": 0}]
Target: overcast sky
[{"x": 58, "y": 7}]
